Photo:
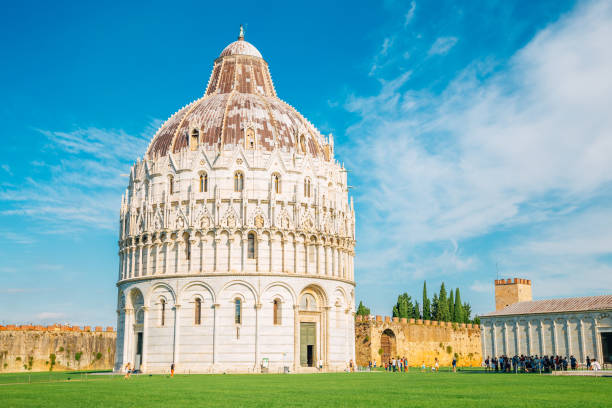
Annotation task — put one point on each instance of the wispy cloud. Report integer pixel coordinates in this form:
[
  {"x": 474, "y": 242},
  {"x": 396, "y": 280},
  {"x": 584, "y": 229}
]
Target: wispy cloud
[
  {"x": 443, "y": 45},
  {"x": 410, "y": 13},
  {"x": 81, "y": 188},
  {"x": 529, "y": 143}
]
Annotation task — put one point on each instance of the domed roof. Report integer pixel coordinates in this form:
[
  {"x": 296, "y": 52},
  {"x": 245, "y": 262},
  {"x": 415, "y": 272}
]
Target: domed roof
[
  {"x": 240, "y": 98},
  {"x": 241, "y": 47}
]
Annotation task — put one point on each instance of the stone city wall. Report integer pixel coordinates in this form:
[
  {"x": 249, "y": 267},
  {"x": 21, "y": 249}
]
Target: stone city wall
[
  {"x": 56, "y": 347},
  {"x": 421, "y": 341}
]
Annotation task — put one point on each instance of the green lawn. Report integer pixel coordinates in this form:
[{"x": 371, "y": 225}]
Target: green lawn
[{"x": 467, "y": 389}]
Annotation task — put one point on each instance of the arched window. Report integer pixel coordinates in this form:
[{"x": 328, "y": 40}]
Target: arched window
[
  {"x": 306, "y": 187},
  {"x": 171, "y": 184},
  {"x": 251, "y": 245},
  {"x": 194, "y": 139},
  {"x": 203, "y": 183},
  {"x": 276, "y": 312},
  {"x": 163, "y": 312},
  {"x": 238, "y": 181},
  {"x": 250, "y": 139},
  {"x": 198, "y": 311},
  {"x": 276, "y": 183},
  {"x": 238, "y": 311},
  {"x": 302, "y": 144}
]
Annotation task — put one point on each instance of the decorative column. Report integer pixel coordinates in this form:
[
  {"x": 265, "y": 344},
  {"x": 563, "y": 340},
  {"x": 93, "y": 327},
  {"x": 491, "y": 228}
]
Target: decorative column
[
  {"x": 256, "y": 366},
  {"x": 192, "y": 245},
  {"x": 581, "y": 339},
  {"x": 569, "y": 338},
  {"x": 127, "y": 324},
  {"x": 283, "y": 264},
  {"x": 554, "y": 337},
  {"x": 542, "y": 345},
  {"x": 529, "y": 339},
  {"x": 145, "y": 342},
  {"x": 326, "y": 337},
  {"x": 596, "y": 342},
  {"x": 306, "y": 259},
  {"x": 243, "y": 260},
  {"x": 201, "y": 254},
  {"x": 177, "y": 323},
  {"x": 494, "y": 335},
  {"x": 295, "y": 257},
  {"x": 517, "y": 341},
  {"x": 139, "y": 271},
  {"x": 230, "y": 241},
  {"x": 216, "y": 264},
  {"x": 296, "y": 338},
  {"x": 215, "y": 332},
  {"x": 132, "y": 260},
  {"x": 505, "y": 328}
]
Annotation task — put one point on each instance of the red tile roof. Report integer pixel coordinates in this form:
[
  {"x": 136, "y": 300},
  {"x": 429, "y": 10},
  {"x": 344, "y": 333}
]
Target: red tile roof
[{"x": 576, "y": 304}]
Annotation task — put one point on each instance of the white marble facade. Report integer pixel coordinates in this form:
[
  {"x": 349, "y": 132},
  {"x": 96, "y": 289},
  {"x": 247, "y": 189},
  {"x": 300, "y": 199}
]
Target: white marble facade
[
  {"x": 564, "y": 334},
  {"x": 263, "y": 219}
]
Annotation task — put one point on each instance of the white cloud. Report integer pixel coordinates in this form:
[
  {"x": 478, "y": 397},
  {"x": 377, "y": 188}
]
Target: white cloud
[
  {"x": 442, "y": 45},
  {"x": 495, "y": 150},
  {"x": 50, "y": 316},
  {"x": 410, "y": 14},
  {"x": 82, "y": 188}
]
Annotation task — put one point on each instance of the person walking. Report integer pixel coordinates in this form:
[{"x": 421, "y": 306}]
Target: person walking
[
  {"x": 128, "y": 371},
  {"x": 172, "y": 370},
  {"x": 595, "y": 365},
  {"x": 437, "y": 365},
  {"x": 454, "y": 364}
]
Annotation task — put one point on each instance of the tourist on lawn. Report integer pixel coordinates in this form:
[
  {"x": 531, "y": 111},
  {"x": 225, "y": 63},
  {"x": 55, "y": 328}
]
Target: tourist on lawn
[
  {"x": 588, "y": 363},
  {"x": 128, "y": 371},
  {"x": 573, "y": 362},
  {"x": 595, "y": 365},
  {"x": 487, "y": 364},
  {"x": 454, "y": 365},
  {"x": 172, "y": 370},
  {"x": 437, "y": 365}
]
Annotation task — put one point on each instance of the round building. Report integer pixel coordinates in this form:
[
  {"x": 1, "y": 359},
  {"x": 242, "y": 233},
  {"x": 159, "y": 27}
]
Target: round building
[{"x": 236, "y": 236}]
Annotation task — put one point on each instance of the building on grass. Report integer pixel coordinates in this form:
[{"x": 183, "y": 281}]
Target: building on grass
[
  {"x": 236, "y": 236},
  {"x": 580, "y": 326}
]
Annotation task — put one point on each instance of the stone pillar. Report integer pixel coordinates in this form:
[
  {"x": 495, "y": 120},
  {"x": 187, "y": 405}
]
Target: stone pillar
[
  {"x": 127, "y": 329},
  {"x": 256, "y": 367},
  {"x": 192, "y": 242},
  {"x": 139, "y": 271},
  {"x": 483, "y": 341},
  {"x": 325, "y": 338},
  {"x": 581, "y": 339},
  {"x": 568, "y": 338},
  {"x": 215, "y": 332},
  {"x": 230, "y": 242},
  {"x": 554, "y": 337},
  {"x": 529, "y": 339},
  {"x": 177, "y": 324},
  {"x": 517, "y": 340},
  {"x": 283, "y": 262},
  {"x": 306, "y": 260},
  {"x": 145, "y": 342},
  {"x": 243, "y": 260},
  {"x": 296, "y": 338},
  {"x": 505, "y": 328},
  {"x": 541, "y": 336},
  {"x": 132, "y": 260},
  {"x": 201, "y": 254},
  {"x": 494, "y": 335},
  {"x": 272, "y": 245},
  {"x": 217, "y": 242},
  {"x": 596, "y": 341}
]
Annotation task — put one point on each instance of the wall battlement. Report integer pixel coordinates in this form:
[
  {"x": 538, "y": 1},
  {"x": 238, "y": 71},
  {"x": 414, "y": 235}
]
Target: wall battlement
[
  {"x": 404, "y": 321},
  {"x": 55, "y": 328}
]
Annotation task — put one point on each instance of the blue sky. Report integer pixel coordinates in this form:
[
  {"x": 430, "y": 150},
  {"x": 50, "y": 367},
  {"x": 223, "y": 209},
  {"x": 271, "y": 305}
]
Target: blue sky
[{"x": 478, "y": 135}]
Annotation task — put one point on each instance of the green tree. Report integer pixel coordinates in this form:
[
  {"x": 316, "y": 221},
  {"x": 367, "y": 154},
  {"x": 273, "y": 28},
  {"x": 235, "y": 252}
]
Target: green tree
[
  {"x": 476, "y": 320},
  {"x": 443, "y": 314},
  {"x": 362, "y": 310},
  {"x": 416, "y": 314},
  {"x": 426, "y": 303},
  {"x": 467, "y": 312},
  {"x": 451, "y": 306},
  {"x": 403, "y": 307},
  {"x": 458, "y": 309},
  {"x": 435, "y": 304}
]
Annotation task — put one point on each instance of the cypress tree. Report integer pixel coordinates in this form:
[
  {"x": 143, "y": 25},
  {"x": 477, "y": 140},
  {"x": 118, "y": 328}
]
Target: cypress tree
[
  {"x": 426, "y": 303},
  {"x": 362, "y": 310},
  {"x": 417, "y": 311},
  {"x": 467, "y": 311},
  {"x": 458, "y": 309},
  {"x": 451, "y": 306},
  {"x": 435, "y": 305},
  {"x": 443, "y": 314}
]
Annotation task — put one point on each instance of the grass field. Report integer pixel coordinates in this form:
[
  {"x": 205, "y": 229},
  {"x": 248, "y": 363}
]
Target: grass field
[{"x": 466, "y": 389}]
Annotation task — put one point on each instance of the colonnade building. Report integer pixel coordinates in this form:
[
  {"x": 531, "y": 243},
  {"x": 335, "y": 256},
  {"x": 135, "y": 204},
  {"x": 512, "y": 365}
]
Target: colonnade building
[
  {"x": 580, "y": 326},
  {"x": 237, "y": 236}
]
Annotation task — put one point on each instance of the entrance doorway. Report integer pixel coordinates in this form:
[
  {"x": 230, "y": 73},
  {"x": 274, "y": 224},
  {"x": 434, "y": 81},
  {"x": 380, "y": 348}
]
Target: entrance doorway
[
  {"x": 606, "y": 347},
  {"x": 387, "y": 345},
  {"x": 308, "y": 344},
  {"x": 138, "y": 359}
]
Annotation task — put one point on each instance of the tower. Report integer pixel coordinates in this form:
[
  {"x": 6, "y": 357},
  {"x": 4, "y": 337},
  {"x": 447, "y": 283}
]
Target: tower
[{"x": 510, "y": 291}]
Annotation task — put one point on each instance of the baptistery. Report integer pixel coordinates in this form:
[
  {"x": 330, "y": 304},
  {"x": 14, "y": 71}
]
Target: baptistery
[{"x": 237, "y": 236}]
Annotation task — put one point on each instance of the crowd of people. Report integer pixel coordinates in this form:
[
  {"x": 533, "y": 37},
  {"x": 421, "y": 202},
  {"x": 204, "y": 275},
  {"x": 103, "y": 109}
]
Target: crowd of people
[
  {"x": 394, "y": 365},
  {"x": 536, "y": 363}
]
